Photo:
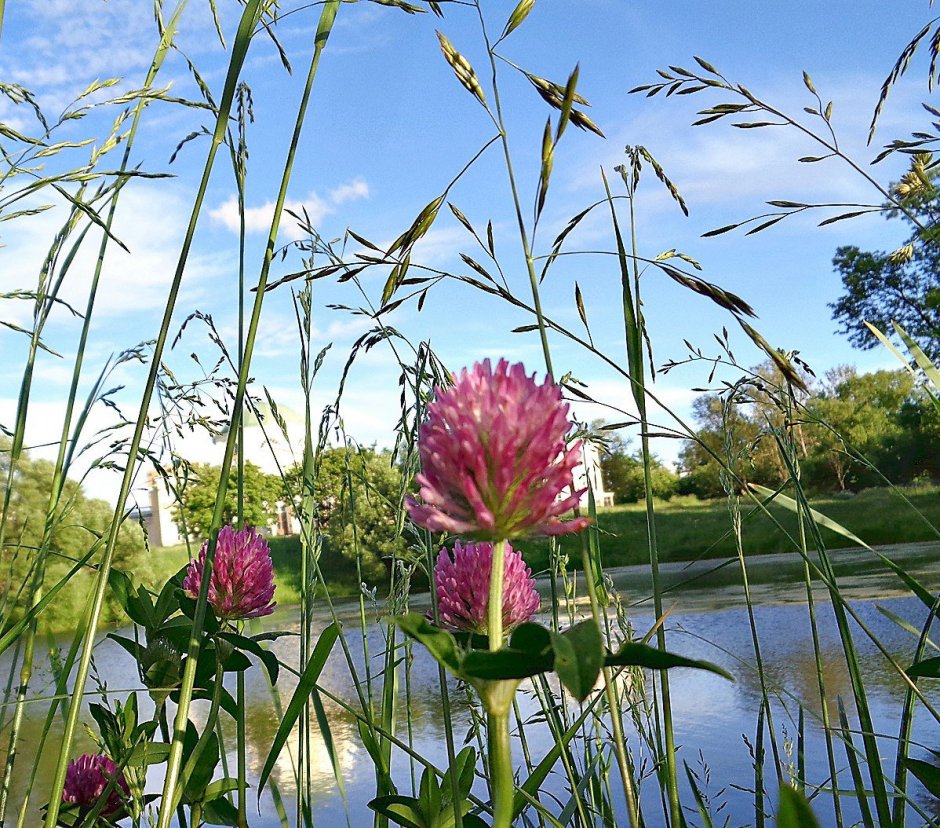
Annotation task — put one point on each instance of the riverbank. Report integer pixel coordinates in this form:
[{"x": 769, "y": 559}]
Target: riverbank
[
  {"x": 694, "y": 542},
  {"x": 704, "y": 585}
]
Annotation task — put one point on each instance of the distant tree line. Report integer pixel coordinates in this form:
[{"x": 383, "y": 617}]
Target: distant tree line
[{"x": 849, "y": 432}]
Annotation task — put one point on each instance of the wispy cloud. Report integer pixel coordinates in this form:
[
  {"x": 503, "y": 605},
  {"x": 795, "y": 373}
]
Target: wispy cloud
[
  {"x": 315, "y": 207},
  {"x": 150, "y": 221}
]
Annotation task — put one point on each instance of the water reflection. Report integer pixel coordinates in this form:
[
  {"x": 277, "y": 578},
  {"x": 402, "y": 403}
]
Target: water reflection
[{"x": 712, "y": 716}]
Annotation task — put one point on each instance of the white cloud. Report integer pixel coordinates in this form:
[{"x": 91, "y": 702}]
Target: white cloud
[
  {"x": 151, "y": 221},
  {"x": 441, "y": 245},
  {"x": 58, "y": 45},
  {"x": 350, "y": 191},
  {"x": 716, "y": 165},
  {"x": 316, "y": 208}
]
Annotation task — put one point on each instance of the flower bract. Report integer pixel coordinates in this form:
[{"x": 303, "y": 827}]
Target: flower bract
[
  {"x": 462, "y": 578},
  {"x": 242, "y": 581},
  {"x": 495, "y": 464}
]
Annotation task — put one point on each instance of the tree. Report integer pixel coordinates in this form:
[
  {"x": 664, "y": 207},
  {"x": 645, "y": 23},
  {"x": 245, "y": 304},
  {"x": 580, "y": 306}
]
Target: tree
[
  {"x": 623, "y": 474},
  {"x": 193, "y": 515},
  {"x": 77, "y": 524},
  {"x": 357, "y": 496},
  {"x": 865, "y": 411},
  {"x": 732, "y": 436},
  {"x": 902, "y": 286}
]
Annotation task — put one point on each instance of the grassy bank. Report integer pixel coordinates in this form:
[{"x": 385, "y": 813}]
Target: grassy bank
[{"x": 687, "y": 529}]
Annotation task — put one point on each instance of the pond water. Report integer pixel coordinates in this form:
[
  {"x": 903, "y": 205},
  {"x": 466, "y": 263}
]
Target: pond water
[{"x": 714, "y": 719}]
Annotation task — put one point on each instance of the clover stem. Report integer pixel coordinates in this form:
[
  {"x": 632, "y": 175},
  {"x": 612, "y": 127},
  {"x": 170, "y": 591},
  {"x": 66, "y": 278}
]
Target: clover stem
[
  {"x": 501, "y": 779},
  {"x": 242, "y": 745},
  {"x": 494, "y": 619}
]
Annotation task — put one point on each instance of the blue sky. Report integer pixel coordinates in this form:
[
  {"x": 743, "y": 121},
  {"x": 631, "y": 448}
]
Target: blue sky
[{"x": 389, "y": 126}]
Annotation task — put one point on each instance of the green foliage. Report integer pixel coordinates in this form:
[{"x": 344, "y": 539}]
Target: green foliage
[
  {"x": 194, "y": 514},
  {"x": 728, "y": 435},
  {"x": 903, "y": 285},
  {"x": 75, "y": 527},
  {"x": 357, "y": 502},
  {"x": 623, "y": 475},
  {"x": 847, "y": 426},
  {"x": 434, "y": 808}
]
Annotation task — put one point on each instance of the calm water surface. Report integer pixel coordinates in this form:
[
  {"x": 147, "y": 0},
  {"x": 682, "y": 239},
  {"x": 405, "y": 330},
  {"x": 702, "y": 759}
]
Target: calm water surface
[{"x": 714, "y": 719}]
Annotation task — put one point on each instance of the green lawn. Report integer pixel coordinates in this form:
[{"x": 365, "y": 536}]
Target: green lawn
[{"x": 688, "y": 529}]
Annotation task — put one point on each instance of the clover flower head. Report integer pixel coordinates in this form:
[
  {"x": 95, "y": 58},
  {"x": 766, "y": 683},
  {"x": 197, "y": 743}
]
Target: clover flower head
[
  {"x": 86, "y": 780},
  {"x": 494, "y": 460},
  {"x": 462, "y": 579},
  {"x": 242, "y": 581}
]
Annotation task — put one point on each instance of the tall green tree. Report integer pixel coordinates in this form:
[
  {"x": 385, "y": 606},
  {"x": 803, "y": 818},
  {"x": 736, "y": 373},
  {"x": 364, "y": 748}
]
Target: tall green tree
[
  {"x": 730, "y": 435},
  {"x": 77, "y": 524},
  {"x": 623, "y": 474},
  {"x": 903, "y": 285},
  {"x": 864, "y": 413},
  {"x": 193, "y": 514},
  {"x": 358, "y": 495}
]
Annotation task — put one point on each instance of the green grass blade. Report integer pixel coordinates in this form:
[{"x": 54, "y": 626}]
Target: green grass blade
[
  {"x": 922, "y": 360},
  {"x": 306, "y": 685},
  {"x": 850, "y": 753},
  {"x": 239, "y": 53},
  {"x": 820, "y": 519}
]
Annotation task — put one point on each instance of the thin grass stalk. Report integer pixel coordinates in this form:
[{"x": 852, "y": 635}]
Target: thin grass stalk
[
  {"x": 61, "y": 693},
  {"x": 850, "y": 755},
  {"x": 873, "y": 759},
  {"x": 801, "y": 753},
  {"x": 249, "y": 20},
  {"x": 239, "y": 52},
  {"x": 817, "y": 649},
  {"x": 547, "y": 699},
  {"x": 11, "y": 677},
  {"x": 759, "y": 810},
  {"x": 592, "y": 570},
  {"x": 623, "y": 763},
  {"x": 53, "y": 513},
  {"x": 634, "y": 331},
  {"x": 403, "y": 746},
  {"x": 421, "y": 375},
  {"x": 734, "y": 507},
  {"x": 524, "y": 743},
  {"x": 43, "y": 303},
  {"x": 445, "y": 692},
  {"x": 517, "y": 204},
  {"x": 308, "y": 537},
  {"x": 200, "y": 746},
  {"x": 409, "y": 705},
  {"x": 239, "y": 159},
  {"x": 389, "y": 718},
  {"x": 165, "y": 734},
  {"x": 898, "y": 807},
  {"x": 500, "y": 124},
  {"x": 842, "y": 610},
  {"x": 25, "y": 676}
]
